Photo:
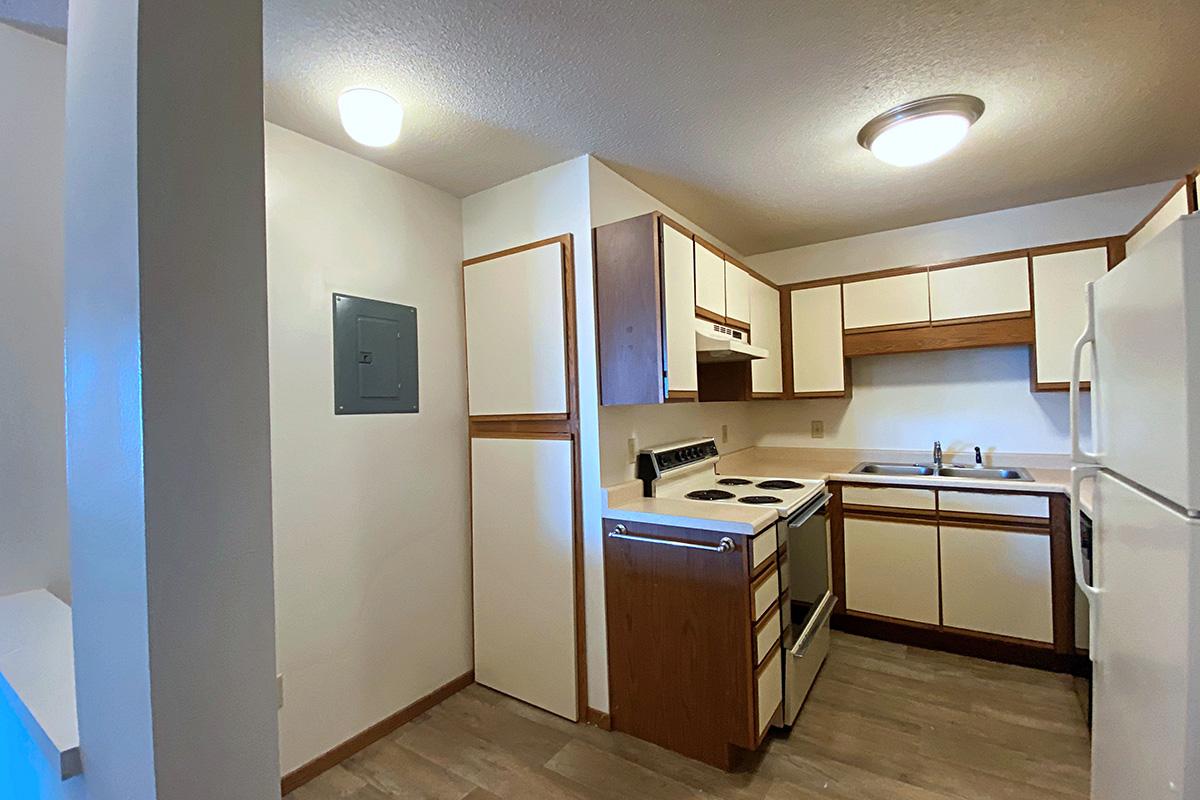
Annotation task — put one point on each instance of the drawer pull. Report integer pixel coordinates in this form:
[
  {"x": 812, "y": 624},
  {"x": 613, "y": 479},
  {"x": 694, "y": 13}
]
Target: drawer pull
[{"x": 724, "y": 546}]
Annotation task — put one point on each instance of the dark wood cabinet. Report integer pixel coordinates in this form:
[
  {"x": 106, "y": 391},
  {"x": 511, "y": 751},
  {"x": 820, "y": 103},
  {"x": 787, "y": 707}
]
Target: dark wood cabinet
[{"x": 691, "y": 664}]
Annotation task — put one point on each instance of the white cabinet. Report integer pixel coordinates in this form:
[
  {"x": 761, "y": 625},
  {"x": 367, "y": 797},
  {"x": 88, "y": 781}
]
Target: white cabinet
[
  {"x": 882, "y": 302},
  {"x": 522, "y": 523},
  {"x": 997, "y": 581},
  {"x": 737, "y": 295},
  {"x": 679, "y": 306},
  {"x": 710, "y": 280},
  {"x": 766, "y": 374},
  {"x": 979, "y": 290},
  {"x": 1060, "y": 311},
  {"x": 892, "y": 568},
  {"x": 817, "y": 363},
  {"x": 1174, "y": 208},
  {"x": 516, "y": 340}
]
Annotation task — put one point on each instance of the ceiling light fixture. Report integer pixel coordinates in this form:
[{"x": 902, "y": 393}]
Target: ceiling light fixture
[
  {"x": 920, "y": 131},
  {"x": 370, "y": 116}
]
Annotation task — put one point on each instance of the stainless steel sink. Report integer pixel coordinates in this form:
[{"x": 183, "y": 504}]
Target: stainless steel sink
[{"x": 944, "y": 471}]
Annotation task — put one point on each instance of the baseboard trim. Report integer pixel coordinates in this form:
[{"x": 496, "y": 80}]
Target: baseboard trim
[
  {"x": 305, "y": 773},
  {"x": 600, "y": 719}
]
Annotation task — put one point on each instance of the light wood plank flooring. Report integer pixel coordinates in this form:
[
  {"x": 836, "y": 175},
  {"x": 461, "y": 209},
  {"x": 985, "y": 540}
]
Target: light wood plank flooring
[{"x": 883, "y": 721}]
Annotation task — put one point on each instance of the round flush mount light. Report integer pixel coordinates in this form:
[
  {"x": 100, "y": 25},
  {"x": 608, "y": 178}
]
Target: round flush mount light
[
  {"x": 920, "y": 131},
  {"x": 370, "y": 116}
]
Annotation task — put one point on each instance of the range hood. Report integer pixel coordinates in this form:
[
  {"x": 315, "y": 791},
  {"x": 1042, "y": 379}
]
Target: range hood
[{"x": 717, "y": 342}]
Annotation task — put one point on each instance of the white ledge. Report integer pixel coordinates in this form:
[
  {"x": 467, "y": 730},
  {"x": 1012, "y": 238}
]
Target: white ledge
[{"x": 37, "y": 673}]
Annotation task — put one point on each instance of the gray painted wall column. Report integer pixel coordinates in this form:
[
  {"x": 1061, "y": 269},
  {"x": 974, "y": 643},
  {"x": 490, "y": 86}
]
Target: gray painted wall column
[{"x": 168, "y": 444}]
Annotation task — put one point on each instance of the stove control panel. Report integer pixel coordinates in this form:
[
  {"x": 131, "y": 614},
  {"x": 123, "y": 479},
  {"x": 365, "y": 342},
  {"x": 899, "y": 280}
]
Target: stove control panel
[{"x": 654, "y": 462}]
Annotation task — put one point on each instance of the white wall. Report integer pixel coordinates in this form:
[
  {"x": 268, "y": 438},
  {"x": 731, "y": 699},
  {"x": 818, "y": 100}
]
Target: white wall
[
  {"x": 551, "y": 202},
  {"x": 1072, "y": 219},
  {"x": 33, "y": 491},
  {"x": 372, "y": 567},
  {"x": 962, "y": 397}
]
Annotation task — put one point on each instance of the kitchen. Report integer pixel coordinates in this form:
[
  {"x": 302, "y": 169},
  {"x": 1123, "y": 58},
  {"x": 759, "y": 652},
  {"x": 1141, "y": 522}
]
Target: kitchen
[{"x": 819, "y": 425}]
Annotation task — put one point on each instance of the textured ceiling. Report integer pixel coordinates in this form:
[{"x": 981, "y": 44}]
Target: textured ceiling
[{"x": 743, "y": 115}]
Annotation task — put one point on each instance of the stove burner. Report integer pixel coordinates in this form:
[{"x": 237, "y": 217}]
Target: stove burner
[
  {"x": 759, "y": 499},
  {"x": 780, "y": 484},
  {"x": 734, "y": 481},
  {"x": 709, "y": 494}
]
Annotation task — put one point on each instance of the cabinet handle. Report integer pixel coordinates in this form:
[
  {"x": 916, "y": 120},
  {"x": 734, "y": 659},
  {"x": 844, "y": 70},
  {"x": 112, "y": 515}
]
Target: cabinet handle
[{"x": 726, "y": 544}]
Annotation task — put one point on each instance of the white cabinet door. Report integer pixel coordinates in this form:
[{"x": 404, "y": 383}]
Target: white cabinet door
[
  {"x": 1060, "y": 310},
  {"x": 766, "y": 374},
  {"x": 516, "y": 333},
  {"x": 894, "y": 300},
  {"x": 522, "y": 553},
  {"x": 1175, "y": 207},
  {"x": 737, "y": 294},
  {"x": 892, "y": 568},
  {"x": 710, "y": 281},
  {"x": 817, "y": 363},
  {"x": 997, "y": 581},
  {"x": 679, "y": 307},
  {"x": 979, "y": 290}
]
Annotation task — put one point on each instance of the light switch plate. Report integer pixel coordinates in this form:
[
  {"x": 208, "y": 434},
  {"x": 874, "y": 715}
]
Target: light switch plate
[
  {"x": 633, "y": 449},
  {"x": 724, "y": 434},
  {"x": 818, "y": 429}
]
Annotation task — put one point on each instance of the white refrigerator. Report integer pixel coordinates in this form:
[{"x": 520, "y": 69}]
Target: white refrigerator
[{"x": 1144, "y": 593}]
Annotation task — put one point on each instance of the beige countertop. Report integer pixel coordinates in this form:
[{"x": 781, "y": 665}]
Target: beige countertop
[{"x": 1051, "y": 473}]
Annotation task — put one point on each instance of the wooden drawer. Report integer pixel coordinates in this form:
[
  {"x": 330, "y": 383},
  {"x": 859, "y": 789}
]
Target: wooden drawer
[
  {"x": 766, "y": 637},
  {"x": 997, "y": 582},
  {"x": 765, "y": 591},
  {"x": 888, "y": 496},
  {"x": 1013, "y": 505},
  {"x": 769, "y": 690},
  {"x": 892, "y": 568},
  {"x": 761, "y": 548}
]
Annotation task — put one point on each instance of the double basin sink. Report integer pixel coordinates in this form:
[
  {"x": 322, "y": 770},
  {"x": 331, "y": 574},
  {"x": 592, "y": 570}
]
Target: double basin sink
[{"x": 943, "y": 471}]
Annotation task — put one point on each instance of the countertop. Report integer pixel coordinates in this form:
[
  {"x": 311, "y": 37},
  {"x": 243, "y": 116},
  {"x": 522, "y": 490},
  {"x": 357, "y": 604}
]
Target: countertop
[{"x": 1051, "y": 473}]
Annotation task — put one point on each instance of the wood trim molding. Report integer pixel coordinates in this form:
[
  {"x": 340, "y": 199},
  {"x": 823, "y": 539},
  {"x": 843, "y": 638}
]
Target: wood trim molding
[
  {"x": 1175, "y": 187},
  {"x": 709, "y": 246},
  {"x": 563, "y": 239},
  {"x": 899, "y": 326},
  {"x": 733, "y": 322},
  {"x": 766, "y": 395},
  {"x": 984, "y": 317},
  {"x": 336, "y": 755},
  {"x": 677, "y": 226},
  {"x": 965, "y": 335},
  {"x": 601, "y": 719},
  {"x": 917, "y": 516},
  {"x": 711, "y": 316},
  {"x": 680, "y": 396}
]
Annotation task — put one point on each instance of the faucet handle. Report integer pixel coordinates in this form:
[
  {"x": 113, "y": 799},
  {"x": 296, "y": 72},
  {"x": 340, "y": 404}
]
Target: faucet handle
[{"x": 978, "y": 457}]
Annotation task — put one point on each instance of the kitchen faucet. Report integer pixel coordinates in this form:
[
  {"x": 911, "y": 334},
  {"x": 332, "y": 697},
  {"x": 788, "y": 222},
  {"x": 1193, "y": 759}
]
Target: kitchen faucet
[
  {"x": 978, "y": 457},
  {"x": 937, "y": 454}
]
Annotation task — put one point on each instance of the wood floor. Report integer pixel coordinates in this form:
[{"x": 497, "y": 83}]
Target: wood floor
[{"x": 883, "y": 721}]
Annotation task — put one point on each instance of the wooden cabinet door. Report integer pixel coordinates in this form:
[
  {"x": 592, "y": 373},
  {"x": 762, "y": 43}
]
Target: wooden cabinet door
[
  {"x": 679, "y": 309},
  {"x": 1174, "y": 208},
  {"x": 818, "y": 366},
  {"x": 997, "y": 581},
  {"x": 516, "y": 333},
  {"x": 1060, "y": 312},
  {"x": 979, "y": 290},
  {"x": 883, "y": 302},
  {"x": 766, "y": 374},
  {"x": 737, "y": 295},
  {"x": 892, "y": 568},
  {"x": 710, "y": 281},
  {"x": 522, "y": 553}
]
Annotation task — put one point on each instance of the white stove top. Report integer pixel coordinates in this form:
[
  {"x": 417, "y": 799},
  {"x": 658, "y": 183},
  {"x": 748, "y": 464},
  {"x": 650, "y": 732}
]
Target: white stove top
[{"x": 703, "y": 485}]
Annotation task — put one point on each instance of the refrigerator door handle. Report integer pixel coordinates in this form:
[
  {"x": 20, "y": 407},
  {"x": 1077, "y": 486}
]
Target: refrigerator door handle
[
  {"x": 1078, "y": 474},
  {"x": 1088, "y": 337}
]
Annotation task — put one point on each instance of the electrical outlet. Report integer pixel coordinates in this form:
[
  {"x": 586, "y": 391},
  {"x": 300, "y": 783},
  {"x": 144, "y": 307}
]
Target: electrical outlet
[
  {"x": 279, "y": 689},
  {"x": 818, "y": 429},
  {"x": 633, "y": 449},
  {"x": 724, "y": 434}
]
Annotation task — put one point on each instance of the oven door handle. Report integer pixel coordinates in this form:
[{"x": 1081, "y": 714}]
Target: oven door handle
[
  {"x": 809, "y": 511},
  {"x": 800, "y": 649}
]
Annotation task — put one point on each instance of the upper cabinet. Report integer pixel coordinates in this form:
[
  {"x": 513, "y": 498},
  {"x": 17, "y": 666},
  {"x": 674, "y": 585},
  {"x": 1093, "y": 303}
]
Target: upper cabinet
[
  {"x": 990, "y": 289},
  {"x": 1174, "y": 206},
  {"x": 1060, "y": 312},
  {"x": 737, "y": 295},
  {"x": 645, "y": 311},
  {"x": 766, "y": 374},
  {"x": 892, "y": 300},
  {"x": 710, "y": 282},
  {"x": 818, "y": 364}
]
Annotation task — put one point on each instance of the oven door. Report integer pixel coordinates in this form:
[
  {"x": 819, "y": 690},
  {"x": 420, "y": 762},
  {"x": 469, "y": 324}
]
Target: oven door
[{"x": 806, "y": 618}]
